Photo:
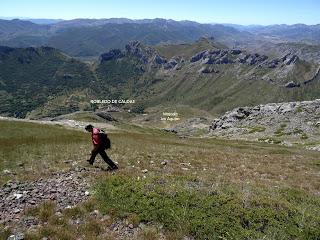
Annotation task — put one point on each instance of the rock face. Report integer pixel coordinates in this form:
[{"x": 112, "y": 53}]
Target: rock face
[
  {"x": 208, "y": 70},
  {"x": 283, "y": 122},
  {"x": 221, "y": 56},
  {"x": 112, "y": 54},
  {"x": 144, "y": 53}
]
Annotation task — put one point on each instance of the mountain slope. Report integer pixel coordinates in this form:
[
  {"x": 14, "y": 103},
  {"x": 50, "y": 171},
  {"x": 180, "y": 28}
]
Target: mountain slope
[
  {"x": 216, "y": 79},
  {"x": 32, "y": 76}
]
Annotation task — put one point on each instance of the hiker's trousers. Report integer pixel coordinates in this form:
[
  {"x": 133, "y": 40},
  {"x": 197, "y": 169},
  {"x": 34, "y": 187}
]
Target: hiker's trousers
[{"x": 101, "y": 150}]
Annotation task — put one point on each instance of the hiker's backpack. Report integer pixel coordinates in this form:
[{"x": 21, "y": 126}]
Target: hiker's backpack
[{"x": 104, "y": 138}]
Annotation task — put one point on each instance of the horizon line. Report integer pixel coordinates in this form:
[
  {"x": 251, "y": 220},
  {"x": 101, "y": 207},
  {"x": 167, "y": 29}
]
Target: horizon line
[{"x": 137, "y": 19}]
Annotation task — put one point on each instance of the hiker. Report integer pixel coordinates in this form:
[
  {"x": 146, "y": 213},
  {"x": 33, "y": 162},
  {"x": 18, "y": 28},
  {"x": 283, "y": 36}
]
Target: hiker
[{"x": 100, "y": 143}]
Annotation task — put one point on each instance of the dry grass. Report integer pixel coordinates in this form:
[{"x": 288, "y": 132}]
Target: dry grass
[{"x": 218, "y": 161}]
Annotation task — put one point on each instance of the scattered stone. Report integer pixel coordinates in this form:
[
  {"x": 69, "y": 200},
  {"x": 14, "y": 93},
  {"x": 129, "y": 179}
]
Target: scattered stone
[
  {"x": 16, "y": 236},
  {"x": 164, "y": 163},
  {"x": 105, "y": 218},
  {"x": 6, "y": 171},
  {"x": 17, "y": 195},
  {"x": 144, "y": 170}
]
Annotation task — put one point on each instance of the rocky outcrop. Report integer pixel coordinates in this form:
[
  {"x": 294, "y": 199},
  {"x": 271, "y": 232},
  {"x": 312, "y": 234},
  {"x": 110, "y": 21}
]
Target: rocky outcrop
[
  {"x": 316, "y": 76},
  {"x": 208, "y": 70},
  {"x": 198, "y": 56},
  {"x": 190, "y": 127},
  {"x": 221, "y": 56},
  {"x": 292, "y": 84},
  {"x": 106, "y": 116},
  {"x": 172, "y": 63},
  {"x": 144, "y": 53},
  {"x": 158, "y": 59},
  {"x": 111, "y": 55},
  {"x": 287, "y": 122}
]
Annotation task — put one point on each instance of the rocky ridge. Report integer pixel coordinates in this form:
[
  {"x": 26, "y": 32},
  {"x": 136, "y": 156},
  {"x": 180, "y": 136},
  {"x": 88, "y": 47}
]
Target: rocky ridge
[
  {"x": 272, "y": 69},
  {"x": 287, "y": 123}
]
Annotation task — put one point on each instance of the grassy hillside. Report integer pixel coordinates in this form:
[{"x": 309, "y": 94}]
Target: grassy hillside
[
  {"x": 187, "y": 50},
  {"x": 32, "y": 76},
  {"x": 208, "y": 188}
]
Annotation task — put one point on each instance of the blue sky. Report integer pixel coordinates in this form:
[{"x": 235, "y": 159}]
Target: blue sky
[{"x": 224, "y": 11}]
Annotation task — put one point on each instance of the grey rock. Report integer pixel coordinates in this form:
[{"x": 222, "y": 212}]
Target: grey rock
[
  {"x": 16, "y": 236},
  {"x": 294, "y": 119},
  {"x": 111, "y": 55},
  {"x": 170, "y": 64},
  {"x": 291, "y": 84},
  {"x": 105, "y": 115},
  {"x": 207, "y": 70},
  {"x": 198, "y": 56},
  {"x": 235, "y": 51}
]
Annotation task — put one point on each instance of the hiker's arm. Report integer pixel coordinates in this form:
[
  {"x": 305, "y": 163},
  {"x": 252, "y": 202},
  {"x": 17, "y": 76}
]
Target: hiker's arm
[{"x": 95, "y": 148}]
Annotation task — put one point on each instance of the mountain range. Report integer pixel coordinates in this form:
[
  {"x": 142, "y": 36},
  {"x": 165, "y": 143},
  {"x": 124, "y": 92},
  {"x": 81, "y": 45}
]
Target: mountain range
[
  {"x": 206, "y": 74},
  {"x": 92, "y": 37}
]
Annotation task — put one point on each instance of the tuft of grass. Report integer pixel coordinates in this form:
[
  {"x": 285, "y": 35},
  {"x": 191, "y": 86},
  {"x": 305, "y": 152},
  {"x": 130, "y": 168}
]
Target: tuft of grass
[
  {"x": 44, "y": 211},
  {"x": 299, "y": 109},
  {"x": 297, "y": 131},
  {"x": 257, "y": 129},
  {"x": 63, "y": 226},
  {"x": 148, "y": 233},
  {"x": 4, "y": 233},
  {"x": 304, "y": 136},
  {"x": 270, "y": 140},
  {"x": 280, "y": 131}
]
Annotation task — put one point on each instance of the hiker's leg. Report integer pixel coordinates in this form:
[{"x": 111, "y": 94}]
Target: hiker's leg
[
  {"x": 94, "y": 153},
  {"x": 107, "y": 159}
]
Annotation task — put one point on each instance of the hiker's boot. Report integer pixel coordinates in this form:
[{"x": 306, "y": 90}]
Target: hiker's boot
[
  {"x": 90, "y": 162},
  {"x": 113, "y": 168}
]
